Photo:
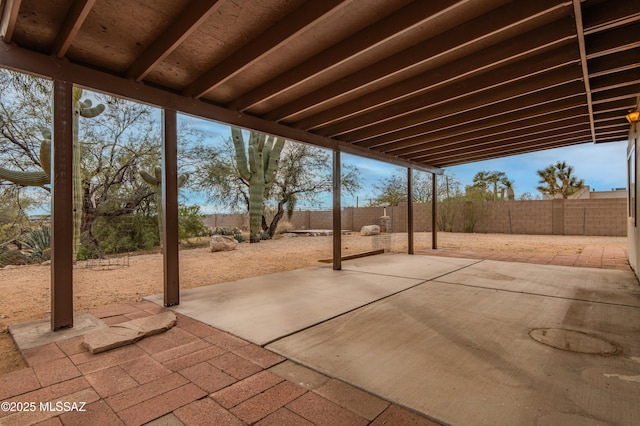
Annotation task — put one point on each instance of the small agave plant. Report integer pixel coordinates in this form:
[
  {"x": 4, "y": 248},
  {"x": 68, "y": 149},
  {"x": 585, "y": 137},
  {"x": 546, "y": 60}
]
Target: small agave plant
[{"x": 39, "y": 241}]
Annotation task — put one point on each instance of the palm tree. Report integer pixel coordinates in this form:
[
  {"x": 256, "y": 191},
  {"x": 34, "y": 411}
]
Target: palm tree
[
  {"x": 558, "y": 180},
  {"x": 484, "y": 180}
]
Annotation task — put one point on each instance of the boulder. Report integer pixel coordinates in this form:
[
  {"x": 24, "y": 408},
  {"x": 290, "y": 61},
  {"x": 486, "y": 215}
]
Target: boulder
[
  {"x": 222, "y": 243},
  {"x": 370, "y": 230}
]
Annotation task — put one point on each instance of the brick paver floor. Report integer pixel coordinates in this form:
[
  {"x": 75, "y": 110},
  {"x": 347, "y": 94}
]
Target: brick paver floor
[
  {"x": 192, "y": 374},
  {"x": 593, "y": 256}
]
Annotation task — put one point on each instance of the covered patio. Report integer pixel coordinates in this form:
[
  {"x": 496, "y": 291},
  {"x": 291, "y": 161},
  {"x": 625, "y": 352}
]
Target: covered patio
[
  {"x": 423, "y": 85},
  {"x": 418, "y": 84},
  {"x": 391, "y": 339}
]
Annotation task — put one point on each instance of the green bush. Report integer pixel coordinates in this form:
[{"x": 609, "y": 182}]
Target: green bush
[
  {"x": 190, "y": 223},
  {"x": 122, "y": 234}
]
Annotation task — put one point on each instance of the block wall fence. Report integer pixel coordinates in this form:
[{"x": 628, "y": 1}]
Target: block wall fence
[{"x": 603, "y": 217}]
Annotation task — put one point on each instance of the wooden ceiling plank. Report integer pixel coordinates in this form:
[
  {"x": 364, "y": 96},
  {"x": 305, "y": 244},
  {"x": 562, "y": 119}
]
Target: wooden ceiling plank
[
  {"x": 607, "y": 116},
  {"x": 278, "y": 34},
  {"x": 512, "y": 152},
  {"x": 186, "y": 23},
  {"x": 416, "y": 13},
  {"x": 617, "y": 106},
  {"x": 522, "y": 71},
  {"x": 31, "y": 62},
  {"x": 613, "y": 41},
  {"x": 472, "y": 143},
  {"x": 525, "y": 45},
  {"x": 515, "y": 89},
  {"x": 73, "y": 22},
  {"x": 610, "y": 14},
  {"x": 531, "y": 125},
  {"x": 569, "y": 134},
  {"x": 614, "y": 80},
  {"x": 9, "y": 18},
  {"x": 561, "y": 97},
  {"x": 620, "y": 61},
  {"x": 616, "y": 94}
]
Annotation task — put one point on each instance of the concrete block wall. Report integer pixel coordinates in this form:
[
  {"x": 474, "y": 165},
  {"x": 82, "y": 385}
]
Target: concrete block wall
[{"x": 605, "y": 217}]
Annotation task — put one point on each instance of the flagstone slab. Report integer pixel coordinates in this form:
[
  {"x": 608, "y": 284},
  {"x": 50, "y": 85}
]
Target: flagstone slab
[{"x": 128, "y": 332}]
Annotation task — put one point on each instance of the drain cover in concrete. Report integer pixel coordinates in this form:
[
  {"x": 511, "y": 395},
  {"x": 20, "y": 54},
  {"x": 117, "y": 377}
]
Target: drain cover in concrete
[{"x": 573, "y": 341}]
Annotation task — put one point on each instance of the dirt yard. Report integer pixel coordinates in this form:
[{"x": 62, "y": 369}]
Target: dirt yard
[{"x": 26, "y": 289}]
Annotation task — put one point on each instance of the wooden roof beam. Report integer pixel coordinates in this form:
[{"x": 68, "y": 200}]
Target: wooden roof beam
[
  {"x": 24, "y": 60},
  {"x": 564, "y": 96},
  {"x": 513, "y": 151},
  {"x": 186, "y": 23},
  {"x": 608, "y": 15},
  {"x": 569, "y": 124},
  {"x": 577, "y": 13},
  {"x": 73, "y": 22},
  {"x": 528, "y": 44},
  {"x": 578, "y": 136},
  {"x": 618, "y": 93},
  {"x": 531, "y": 125},
  {"x": 279, "y": 33},
  {"x": 619, "y": 61},
  {"x": 476, "y": 32},
  {"x": 617, "y": 105},
  {"x": 522, "y": 71},
  {"x": 9, "y": 18},
  {"x": 615, "y": 80},
  {"x": 613, "y": 41},
  {"x": 398, "y": 23},
  {"x": 516, "y": 88}
]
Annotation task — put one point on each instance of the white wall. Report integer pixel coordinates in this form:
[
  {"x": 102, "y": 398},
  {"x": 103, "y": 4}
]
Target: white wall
[{"x": 633, "y": 224}]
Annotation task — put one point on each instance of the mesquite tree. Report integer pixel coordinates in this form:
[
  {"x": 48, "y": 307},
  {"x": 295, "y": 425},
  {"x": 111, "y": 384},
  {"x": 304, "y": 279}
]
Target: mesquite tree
[
  {"x": 258, "y": 167},
  {"x": 43, "y": 177},
  {"x": 155, "y": 181}
]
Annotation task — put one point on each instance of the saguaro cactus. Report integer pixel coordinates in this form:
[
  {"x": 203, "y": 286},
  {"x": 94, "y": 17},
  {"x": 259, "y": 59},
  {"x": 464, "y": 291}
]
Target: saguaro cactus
[
  {"x": 155, "y": 181},
  {"x": 258, "y": 167},
  {"x": 35, "y": 178},
  {"x": 43, "y": 177}
]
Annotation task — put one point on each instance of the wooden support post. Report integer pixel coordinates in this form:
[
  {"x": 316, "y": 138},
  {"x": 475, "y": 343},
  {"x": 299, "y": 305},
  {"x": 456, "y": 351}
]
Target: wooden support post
[
  {"x": 434, "y": 212},
  {"x": 409, "y": 210},
  {"x": 170, "y": 208},
  {"x": 337, "y": 214},
  {"x": 62, "y": 207}
]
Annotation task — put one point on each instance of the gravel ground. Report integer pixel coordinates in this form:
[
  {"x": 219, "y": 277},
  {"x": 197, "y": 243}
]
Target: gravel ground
[{"x": 26, "y": 289}]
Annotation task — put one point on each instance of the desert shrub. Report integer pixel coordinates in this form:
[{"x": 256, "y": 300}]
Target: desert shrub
[
  {"x": 226, "y": 230},
  {"x": 123, "y": 233},
  {"x": 240, "y": 238},
  {"x": 284, "y": 226},
  {"x": 12, "y": 257},
  {"x": 190, "y": 223}
]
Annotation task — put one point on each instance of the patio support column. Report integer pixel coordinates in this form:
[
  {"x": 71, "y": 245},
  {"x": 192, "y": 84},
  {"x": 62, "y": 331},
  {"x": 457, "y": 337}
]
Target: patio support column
[
  {"x": 62, "y": 207},
  {"x": 170, "y": 207},
  {"x": 409, "y": 210},
  {"x": 337, "y": 214},
  {"x": 434, "y": 212}
]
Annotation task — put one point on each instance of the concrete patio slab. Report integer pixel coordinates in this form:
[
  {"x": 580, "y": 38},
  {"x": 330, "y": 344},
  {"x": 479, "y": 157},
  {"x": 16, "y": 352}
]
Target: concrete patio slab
[
  {"x": 591, "y": 284},
  {"x": 463, "y": 354},
  {"x": 269, "y": 307},
  {"x": 30, "y": 334},
  {"x": 401, "y": 265}
]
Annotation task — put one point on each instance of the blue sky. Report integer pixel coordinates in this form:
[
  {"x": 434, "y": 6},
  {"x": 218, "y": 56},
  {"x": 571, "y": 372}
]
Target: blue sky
[{"x": 602, "y": 166}]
